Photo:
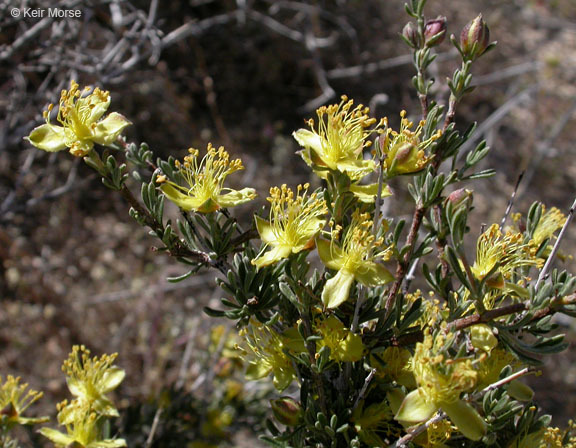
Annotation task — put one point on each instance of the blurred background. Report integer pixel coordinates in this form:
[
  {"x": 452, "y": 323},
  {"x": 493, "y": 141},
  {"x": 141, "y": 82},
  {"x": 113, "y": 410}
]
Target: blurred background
[{"x": 74, "y": 268}]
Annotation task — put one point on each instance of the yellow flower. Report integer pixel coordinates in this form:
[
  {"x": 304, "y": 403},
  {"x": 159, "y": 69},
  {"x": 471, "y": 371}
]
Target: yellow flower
[
  {"x": 550, "y": 222},
  {"x": 490, "y": 367},
  {"x": 14, "y": 400},
  {"x": 337, "y": 143},
  {"x": 85, "y": 431},
  {"x": 90, "y": 379},
  {"x": 403, "y": 151},
  {"x": 375, "y": 423},
  {"x": 205, "y": 182},
  {"x": 498, "y": 254},
  {"x": 544, "y": 438},
  {"x": 393, "y": 364},
  {"x": 354, "y": 259},
  {"x": 266, "y": 355},
  {"x": 440, "y": 382},
  {"x": 293, "y": 224},
  {"x": 344, "y": 345},
  {"x": 79, "y": 114}
]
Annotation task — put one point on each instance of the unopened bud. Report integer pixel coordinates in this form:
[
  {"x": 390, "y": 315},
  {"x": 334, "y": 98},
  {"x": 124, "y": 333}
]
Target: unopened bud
[
  {"x": 286, "y": 410},
  {"x": 457, "y": 197},
  {"x": 435, "y": 31},
  {"x": 411, "y": 35},
  {"x": 404, "y": 152},
  {"x": 474, "y": 39}
]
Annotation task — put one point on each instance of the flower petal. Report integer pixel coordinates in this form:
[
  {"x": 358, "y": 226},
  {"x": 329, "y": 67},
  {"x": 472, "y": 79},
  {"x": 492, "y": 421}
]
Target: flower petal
[
  {"x": 182, "y": 200},
  {"x": 112, "y": 379},
  {"x": 482, "y": 337},
  {"x": 265, "y": 230},
  {"x": 56, "y": 436},
  {"x": 272, "y": 256},
  {"x": 337, "y": 289},
  {"x": 466, "y": 419},
  {"x": 108, "y": 130},
  {"x": 330, "y": 254},
  {"x": 395, "y": 398},
  {"x": 104, "y": 406},
  {"x": 308, "y": 139},
  {"x": 48, "y": 137},
  {"x": 236, "y": 197},
  {"x": 257, "y": 370},
  {"x": 96, "y": 106},
  {"x": 75, "y": 386},
  {"x": 356, "y": 168},
  {"x": 282, "y": 378},
  {"x": 351, "y": 349},
  {"x": 373, "y": 274},
  {"x": 108, "y": 443},
  {"x": 415, "y": 408},
  {"x": 368, "y": 193},
  {"x": 520, "y": 391},
  {"x": 208, "y": 206}
]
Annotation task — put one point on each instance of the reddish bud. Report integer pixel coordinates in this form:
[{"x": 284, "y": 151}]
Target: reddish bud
[
  {"x": 411, "y": 35},
  {"x": 286, "y": 410},
  {"x": 435, "y": 31},
  {"x": 474, "y": 39},
  {"x": 457, "y": 197}
]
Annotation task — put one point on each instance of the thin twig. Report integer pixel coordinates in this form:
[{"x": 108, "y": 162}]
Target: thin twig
[
  {"x": 437, "y": 417},
  {"x": 508, "y": 379},
  {"x": 155, "y": 423},
  {"x": 511, "y": 201},
  {"x": 546, "y": 268},
  {"x": 362, "y": 392}
]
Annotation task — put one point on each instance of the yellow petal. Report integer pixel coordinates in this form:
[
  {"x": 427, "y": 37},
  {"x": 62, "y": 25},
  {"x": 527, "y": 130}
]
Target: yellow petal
[
  {"x": 373, "y": 274},
  {"x": 182, "y": 200},
  {"x": 111, "y": 379},
  {"x": 265, "y": 230},
  {"x": 395, "y": 398},
  {"x": 257, "y": 370},
  {"x": 308, "y": 139},
  {"x": 236, "y": 197},
  {"x": 415, "y": 408},
  {"x": 272, "y": 256},
  {"x": 466, "y": 419},
  {"x": 356, "y": 168},
  {"x": 48, "y": 138},
  {"x": 368, "y": 193},
  {"x": 520, "y": 391},
  {"x": 337, "y": 289},
  {"x": 108, "y": 130},
  {"x": 351, "y": 349},
  {"x": 208, "y": 206},
  {"x": 330, "y": 254},
  {"x": 96, "y": 106},
  {"x": 483, "y": 338},
  {"x": 282, "y": 378},
  {"x": 57, "y": 437}
]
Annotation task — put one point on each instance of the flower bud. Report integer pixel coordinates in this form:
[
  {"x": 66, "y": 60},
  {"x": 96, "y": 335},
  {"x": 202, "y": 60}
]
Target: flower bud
[
  {"x": 435, "y": 31},
  {"x": 474, "y": 39},
  {"x": 457, "y": 197},
  {"x": 405, "y": 152},
  {"x": 286, "y": 410},
  {"x": 411, "y": 36}
]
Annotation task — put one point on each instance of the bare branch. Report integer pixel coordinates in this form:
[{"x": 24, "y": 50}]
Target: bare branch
[{"x": 548, "y": 264}]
